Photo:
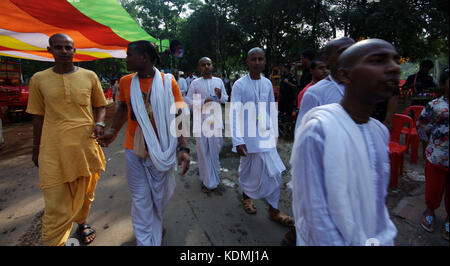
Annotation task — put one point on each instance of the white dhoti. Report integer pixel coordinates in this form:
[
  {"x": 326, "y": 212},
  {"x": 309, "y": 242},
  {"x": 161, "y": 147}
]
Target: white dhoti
[
  {"x": 208, "y": 150},
  {"x": 260, "y": 176},
  {"x": 150, "y": 192}
]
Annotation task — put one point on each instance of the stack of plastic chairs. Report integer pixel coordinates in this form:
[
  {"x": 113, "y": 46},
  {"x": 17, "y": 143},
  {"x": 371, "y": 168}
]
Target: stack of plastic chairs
[
  {"x": 396, "y": 149},
  {"x": 413, "y": 136}
]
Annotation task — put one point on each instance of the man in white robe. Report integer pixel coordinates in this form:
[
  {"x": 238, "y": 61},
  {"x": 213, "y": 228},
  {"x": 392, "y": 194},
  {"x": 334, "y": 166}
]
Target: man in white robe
[
  {"x": 190, "y": 77},
  {"x": 145, "y": 102},
  {"x": 181, "y": 82},
  {"x": 340, "y": 158},
  {"x": 210, "y": 89},
  {"x": 260, "y": 166},
  {"x": 328, "y": 90}
]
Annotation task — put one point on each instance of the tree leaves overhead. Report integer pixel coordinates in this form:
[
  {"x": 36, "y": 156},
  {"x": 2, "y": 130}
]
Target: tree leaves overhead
[
  {"x": 417, "y": 28},
  {"x": 225, "y": 30}
]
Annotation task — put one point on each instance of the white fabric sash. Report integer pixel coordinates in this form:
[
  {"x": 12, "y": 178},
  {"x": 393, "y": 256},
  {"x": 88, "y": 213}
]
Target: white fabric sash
[
  {"x": 347, "y": 173},
  {"x": 162, "y": 152}
]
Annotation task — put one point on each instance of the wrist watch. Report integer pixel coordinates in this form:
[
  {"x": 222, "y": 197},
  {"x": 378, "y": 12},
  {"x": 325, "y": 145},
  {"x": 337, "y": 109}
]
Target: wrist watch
[
  {"x": 186, "y": 149},
  {"x": 102, "y": 124}
]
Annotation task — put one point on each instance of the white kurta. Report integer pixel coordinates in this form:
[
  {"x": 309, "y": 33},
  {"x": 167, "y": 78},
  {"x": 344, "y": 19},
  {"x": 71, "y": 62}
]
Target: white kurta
[
  {"x": 260, "y": 171},
  {"x": 208, "y": 148},
  {"x": 182, "y": 83},
  {"x": 190, "y": 79},
  {"x": 247, "y": 91},
  {"x": 323, "y": 92},
  {"x": 340, "y": 175}
]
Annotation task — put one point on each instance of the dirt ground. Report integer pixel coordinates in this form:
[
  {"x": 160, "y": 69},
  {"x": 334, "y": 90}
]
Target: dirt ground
[{"x": 192, "y": 217}]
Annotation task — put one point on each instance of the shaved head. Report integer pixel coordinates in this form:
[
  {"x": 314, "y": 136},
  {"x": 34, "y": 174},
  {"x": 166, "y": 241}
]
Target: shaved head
[
  {"x": 254, "y": 51},
  {"x": 333, "y": 44},
  {"x": 370, "y": 71},
  {"x": 204, "y": 59},
  {"x": 333, "y": 50},
  {"x": 256, "y": 62},
  {"x": 58, "y": 36},
  {"x": 361, "y": 49},
  {"x": 205, "y": 66}
]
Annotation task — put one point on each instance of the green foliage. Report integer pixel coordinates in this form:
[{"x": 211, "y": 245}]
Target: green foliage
[
  {"x": 418, "y": 29},
  {"x": 108, "y": 67},
  {"x": 225, "y": 30}
]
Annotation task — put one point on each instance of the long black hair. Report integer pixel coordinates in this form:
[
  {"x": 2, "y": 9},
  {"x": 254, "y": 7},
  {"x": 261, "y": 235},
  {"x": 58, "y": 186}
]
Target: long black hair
[{"x": 146, "y": 47}]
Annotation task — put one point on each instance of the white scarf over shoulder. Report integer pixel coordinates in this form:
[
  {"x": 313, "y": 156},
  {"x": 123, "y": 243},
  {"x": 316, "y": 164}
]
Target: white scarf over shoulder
[
  {"x": 162, "y": 152},
  {"x": 347, "y": 174}
]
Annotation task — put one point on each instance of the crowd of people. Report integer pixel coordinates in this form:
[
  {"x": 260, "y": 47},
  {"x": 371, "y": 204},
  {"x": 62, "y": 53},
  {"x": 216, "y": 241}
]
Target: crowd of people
[{"x": 335, "y": 200}]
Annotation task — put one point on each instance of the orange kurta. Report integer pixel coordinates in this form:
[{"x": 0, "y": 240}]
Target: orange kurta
[
  {"x": 67, "y": 149},
  {"x": 124, "y": 96}
]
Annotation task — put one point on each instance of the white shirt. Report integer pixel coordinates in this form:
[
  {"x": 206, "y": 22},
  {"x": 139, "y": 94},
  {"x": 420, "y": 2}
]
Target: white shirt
[
  {"x": 312, "y": 202},
  {"x": 323, "y": 92},
  {"x": 206, "y": 88},
  {"x": 190, "y": 79},
  {"x": 183, "y": 86},
  {"x": 245, "y": 90}
]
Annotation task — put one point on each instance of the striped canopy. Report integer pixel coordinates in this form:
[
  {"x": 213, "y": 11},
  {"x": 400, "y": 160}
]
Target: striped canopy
[{"x": 99, "y": 28}]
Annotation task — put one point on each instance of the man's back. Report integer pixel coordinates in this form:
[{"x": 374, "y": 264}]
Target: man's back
[
  {"x": 419, "y": 82},
  {"x": 323, "y": 92},
  {"x": 305, "y": 79}
]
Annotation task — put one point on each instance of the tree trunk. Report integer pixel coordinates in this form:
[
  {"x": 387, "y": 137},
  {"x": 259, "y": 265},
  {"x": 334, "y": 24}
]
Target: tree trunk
[
  {"x": 347, "y": 13},
  {"x": 216, "y": 15}
]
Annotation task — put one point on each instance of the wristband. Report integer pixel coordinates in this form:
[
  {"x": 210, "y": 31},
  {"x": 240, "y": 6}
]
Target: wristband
[{"x": 102, "y": 124}]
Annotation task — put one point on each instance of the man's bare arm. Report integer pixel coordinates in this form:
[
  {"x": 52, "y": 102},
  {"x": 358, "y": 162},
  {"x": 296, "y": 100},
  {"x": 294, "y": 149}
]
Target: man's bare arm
[
  {"x": 99, "y": 116},
  {"x": 119, "y": 119},
  {"x": 183, "y": 155}
]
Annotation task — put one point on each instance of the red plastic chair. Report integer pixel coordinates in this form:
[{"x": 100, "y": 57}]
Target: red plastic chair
[
  {"x": 396, "y": 149},
  {"x": 424, "y": 147},
  {"x": 108, "y": 94},
  {"x": 413, "y": 136}
]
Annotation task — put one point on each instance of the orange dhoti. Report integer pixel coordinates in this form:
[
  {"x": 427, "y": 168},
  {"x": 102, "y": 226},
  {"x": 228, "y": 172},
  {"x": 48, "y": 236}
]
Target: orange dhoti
[{"x": 64, "y": 204}]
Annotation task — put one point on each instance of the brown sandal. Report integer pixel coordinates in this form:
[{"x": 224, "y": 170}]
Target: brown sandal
[
  {"x": 249, "y": 207},
  {"x": 206, "y": 190},
  {"x": 282, "y": 218}
]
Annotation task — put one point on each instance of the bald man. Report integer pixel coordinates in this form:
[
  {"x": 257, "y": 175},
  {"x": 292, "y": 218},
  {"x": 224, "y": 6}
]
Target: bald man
[
  {"x": 260, "y": 167},
  {"x": 210, "y": 89},
  {"x": 68, "y": 108},
  {"x": 340, "y": 159},
  {"x": 328, "y": 90}
]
